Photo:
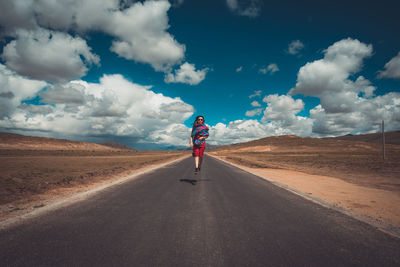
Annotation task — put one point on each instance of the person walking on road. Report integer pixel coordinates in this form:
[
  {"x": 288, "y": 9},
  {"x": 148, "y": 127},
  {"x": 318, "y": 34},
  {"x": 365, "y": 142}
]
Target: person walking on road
[{"x": 198, "y": 141}]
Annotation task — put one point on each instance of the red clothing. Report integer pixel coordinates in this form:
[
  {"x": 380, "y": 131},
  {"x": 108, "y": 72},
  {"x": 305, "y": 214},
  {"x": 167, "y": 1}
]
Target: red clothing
[{"x": 198, "y": 151}]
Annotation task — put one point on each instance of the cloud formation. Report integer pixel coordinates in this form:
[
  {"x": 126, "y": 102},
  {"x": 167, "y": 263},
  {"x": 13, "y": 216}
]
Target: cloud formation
[
  {"x": 392, "y": 68},
  {"x": 114, "y": 107},
  {"x": 281, "y": 107},
  {"x": 271, "y": 69},
  {"x": 279, "y": 118},
  {"x": 186, "y": 74},
  {"x": 281, "y": 112},
  {"x": 14, "y": 89},
  {"x": 139, "y": 29},
  {"x": 239, "y": 131},
  {"x": 295, "y": 47},
  {"x": 347, "y": 106},
  {"x": 330, "y": 74},
  {"x": 254, "y": 112},
  {"x": 70, "y": 93},
  {"x": 48, "y": 55},
  {"x": 142, "y": 35},
  {"x": 256, "y": 93},
  {"x": 248, "y": 8}
]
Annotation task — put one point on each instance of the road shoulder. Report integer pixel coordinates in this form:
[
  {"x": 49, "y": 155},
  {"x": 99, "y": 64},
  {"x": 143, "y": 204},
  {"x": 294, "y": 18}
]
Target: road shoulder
[
  {"x": 376, "y": 207},
  {"x": 63, "y": 197}
]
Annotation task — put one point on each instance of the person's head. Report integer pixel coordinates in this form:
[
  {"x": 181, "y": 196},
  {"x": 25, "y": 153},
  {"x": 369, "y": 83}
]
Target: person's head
[{"x": 199, "y": 119}]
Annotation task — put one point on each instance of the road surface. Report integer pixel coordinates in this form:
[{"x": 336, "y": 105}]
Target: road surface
[{"x": 220, "y": 217}]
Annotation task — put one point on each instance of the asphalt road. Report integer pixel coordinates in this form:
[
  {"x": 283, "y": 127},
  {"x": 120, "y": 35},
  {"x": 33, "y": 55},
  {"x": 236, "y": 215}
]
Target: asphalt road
[{"x": 220, "y": 217}]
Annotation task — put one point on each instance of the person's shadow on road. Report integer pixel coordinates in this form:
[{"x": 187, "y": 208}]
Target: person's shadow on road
[
  {"x": 190, "y": 181},
  {"x": 193, "y": 181}
]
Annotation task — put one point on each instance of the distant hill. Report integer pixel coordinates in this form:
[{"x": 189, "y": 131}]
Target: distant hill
[
  {"x": 390, "y": 137},
  {"x": 210, "y": 147},
  {"x": 22, "y": 142},
  {"x": 116, "y": 145},
  {"x": 295, "y": 143}
]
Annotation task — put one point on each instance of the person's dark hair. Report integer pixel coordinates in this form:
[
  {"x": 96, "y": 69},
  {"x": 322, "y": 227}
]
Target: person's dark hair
[{"x": 200, "y": 116}]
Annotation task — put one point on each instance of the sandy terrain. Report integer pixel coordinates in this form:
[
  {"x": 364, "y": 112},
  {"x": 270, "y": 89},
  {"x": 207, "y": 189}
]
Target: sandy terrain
[
  {"x": 28, "y": 173},
  {"x": 359, "y": 163},
  {"x": 374, "y": 203}
]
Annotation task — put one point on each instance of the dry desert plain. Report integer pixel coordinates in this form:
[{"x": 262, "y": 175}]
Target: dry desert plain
[
  {"x": 36, "y": 171},
  {"x": 344, "y": 172}
]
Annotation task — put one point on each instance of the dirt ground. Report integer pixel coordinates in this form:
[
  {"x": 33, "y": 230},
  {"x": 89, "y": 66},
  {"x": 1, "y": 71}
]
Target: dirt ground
[
  {"x": 30, "y": 178},
  {"x": 363, "y": 168}
]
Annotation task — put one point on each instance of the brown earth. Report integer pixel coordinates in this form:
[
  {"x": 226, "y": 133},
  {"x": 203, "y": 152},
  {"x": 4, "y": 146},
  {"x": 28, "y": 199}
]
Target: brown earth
[
  {"x": 36, "y": 172},
  {"x": 355, "y": 162}
]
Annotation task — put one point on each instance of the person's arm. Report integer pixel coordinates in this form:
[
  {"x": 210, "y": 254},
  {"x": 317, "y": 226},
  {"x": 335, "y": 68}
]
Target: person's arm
[
  {"x": 191, "y": 141},
  {"x": 204, "y": 137}
]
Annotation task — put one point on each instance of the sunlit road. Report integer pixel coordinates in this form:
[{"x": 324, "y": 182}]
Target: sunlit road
[{"x": 172, "y": 217}]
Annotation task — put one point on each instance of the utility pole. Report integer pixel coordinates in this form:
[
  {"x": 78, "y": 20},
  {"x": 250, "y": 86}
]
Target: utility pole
[{"x": 383, "y": 139}]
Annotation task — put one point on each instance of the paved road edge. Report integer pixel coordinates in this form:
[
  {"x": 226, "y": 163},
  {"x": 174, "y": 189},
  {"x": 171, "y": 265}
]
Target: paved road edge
[
  {"x": 387, "y": 228},
  {"x": 66, "y": 201}
]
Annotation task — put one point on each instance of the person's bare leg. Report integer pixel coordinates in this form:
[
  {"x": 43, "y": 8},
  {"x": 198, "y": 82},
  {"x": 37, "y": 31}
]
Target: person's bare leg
[
  {"x": 200, "y": 161},
  {"x": 196, "y": 162}
]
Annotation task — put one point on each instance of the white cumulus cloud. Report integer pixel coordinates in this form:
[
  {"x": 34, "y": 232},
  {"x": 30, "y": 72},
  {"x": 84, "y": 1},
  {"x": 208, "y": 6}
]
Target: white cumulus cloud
[
  {"x": 392, "y": 68},
  {"x": 279, "y": 118},
  {"x": 173, "y": 134},
  {"x": 142, "y": 35},
  {"x": 281, "y": 107},
  {"x": 347, "y": 105},
  {"x": 239, "y": 131},
  {"x": 48, "y": 55},
  {"x": 14, "y": 89},
  {"x": 114, "y": 107},
  {"x": 254, "y": 112},
  {"x": 331, "y": 73},
  {"x": 281, "y": 112},
  {"x": 187, "y": 73},
  {"x": 139, "y": 31}
]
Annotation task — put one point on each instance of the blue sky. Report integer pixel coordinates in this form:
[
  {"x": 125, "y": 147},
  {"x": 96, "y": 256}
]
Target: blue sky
[{"x": 138, "y": 72}]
